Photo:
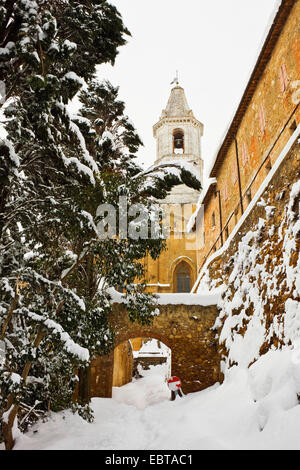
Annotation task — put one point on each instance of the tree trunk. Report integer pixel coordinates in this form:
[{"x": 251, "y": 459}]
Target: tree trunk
[
  {"x": 8, "y": 424},
  {"x": 12, "y": 407},
  {"x": 84, "y": 385}
]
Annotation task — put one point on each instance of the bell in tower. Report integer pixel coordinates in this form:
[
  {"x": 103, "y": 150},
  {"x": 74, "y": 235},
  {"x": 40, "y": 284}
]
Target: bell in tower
[{"x": 178, "y": 141}]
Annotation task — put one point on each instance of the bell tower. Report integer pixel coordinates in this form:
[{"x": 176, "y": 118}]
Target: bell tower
[{"x": 178, "y": 133}]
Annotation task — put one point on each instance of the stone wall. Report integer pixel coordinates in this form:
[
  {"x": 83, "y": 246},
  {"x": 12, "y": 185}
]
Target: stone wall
[
  {"x": 268, "y": 122},
  {"x": 123, "y": 364},
  {"x": 261, "y": 271},
  {"x": 185, "y": 329}
]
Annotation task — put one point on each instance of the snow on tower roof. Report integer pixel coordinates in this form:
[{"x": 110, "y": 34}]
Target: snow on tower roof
[{"x": 177, "y": 104}]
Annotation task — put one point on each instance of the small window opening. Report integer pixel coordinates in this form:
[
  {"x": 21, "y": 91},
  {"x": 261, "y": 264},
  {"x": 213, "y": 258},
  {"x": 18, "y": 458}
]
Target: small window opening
[
  {"x": 213, "y": 220},
  {"x": 178, "y": 141}
]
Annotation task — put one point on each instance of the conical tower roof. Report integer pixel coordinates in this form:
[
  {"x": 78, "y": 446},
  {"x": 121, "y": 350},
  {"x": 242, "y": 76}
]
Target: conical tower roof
[{"x": 177, "y": 104}]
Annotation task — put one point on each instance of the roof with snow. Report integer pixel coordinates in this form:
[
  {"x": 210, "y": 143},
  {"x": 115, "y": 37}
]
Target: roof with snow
[
  {"x": 262, "y": 61},
  {"x": 177, "y": 104}
]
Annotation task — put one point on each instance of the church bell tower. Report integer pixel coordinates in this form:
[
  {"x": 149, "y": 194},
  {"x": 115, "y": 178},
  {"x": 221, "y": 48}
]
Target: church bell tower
[{"x": 178, "y": 137}]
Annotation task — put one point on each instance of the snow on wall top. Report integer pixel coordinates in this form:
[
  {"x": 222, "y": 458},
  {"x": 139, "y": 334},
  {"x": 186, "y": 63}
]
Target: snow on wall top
[{"x": 203, "y": 298}]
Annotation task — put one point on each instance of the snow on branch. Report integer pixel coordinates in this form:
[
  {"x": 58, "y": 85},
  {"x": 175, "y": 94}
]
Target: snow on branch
[
  {"x": 11, "y": 152},
  {"x": 69, "y": 344},
  {"x": 186, "y": 173}
]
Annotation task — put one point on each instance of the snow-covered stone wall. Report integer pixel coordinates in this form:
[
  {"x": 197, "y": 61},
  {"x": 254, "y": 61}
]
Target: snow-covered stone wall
[
  {"x": 185, "y": 328},
  {"x": 260, "y": 274}
]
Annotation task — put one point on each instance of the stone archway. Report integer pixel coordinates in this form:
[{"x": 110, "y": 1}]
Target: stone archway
[
  {"x": 185, "y": 329},
  {"x": 126, "y": 358}
]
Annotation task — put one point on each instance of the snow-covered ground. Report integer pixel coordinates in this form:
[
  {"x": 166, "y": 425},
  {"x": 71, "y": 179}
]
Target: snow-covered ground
[{"x": 255, "y": 408}]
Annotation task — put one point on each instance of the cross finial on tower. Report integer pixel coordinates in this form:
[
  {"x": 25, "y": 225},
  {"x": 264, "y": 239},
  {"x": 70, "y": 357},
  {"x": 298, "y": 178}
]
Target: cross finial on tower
[{"x": 175, "y": 80}]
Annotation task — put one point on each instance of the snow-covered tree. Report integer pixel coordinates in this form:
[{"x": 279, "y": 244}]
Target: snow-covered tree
[
  {"x": 44, "y": 162},
  {"x": 56, "y": 169}
]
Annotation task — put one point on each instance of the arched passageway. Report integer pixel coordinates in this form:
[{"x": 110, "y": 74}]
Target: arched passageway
[
  {"x": 185, "y": 329},
  {"x": 140, "y": 372},
  {"x": 136, "y": 355}
]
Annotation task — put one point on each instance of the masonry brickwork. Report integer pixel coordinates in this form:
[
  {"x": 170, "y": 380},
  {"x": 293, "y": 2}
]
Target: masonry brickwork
[
  {"x": 185, "y": 329},
  {"x": 123, "y": 357},
  {"x": 266, "y": 117},
  {"x": 271, "y": 265}
]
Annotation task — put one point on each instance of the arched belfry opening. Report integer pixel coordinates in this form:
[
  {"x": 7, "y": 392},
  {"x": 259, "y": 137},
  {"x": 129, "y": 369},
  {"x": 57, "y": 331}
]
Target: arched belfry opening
[
  {"x": 178, "y": 141},
  {"x": 182, "y": 281}
]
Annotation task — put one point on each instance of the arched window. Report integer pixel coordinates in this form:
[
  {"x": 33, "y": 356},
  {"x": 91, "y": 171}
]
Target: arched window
[
  {"x": 182, "y": 278},
  {"x": 178, "y": 141}
]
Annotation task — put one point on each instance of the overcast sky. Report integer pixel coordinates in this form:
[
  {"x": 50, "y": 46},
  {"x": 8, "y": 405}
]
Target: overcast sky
[{"x": 213, "y": 44}]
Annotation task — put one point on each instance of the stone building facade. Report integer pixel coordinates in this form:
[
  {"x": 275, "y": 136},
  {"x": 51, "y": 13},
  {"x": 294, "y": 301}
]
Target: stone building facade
[{"x": 266, "y": 117}]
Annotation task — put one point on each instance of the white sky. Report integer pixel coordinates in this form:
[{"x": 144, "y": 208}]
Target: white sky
[{"x": 213, "y": 44}]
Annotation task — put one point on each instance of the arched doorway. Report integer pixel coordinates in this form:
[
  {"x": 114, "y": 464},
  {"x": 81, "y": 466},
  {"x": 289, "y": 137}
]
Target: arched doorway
[
  {"x": 182, "y": 278},
  {"x": 134, "y": 356},
  {"x": 140, "y": 369}
]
